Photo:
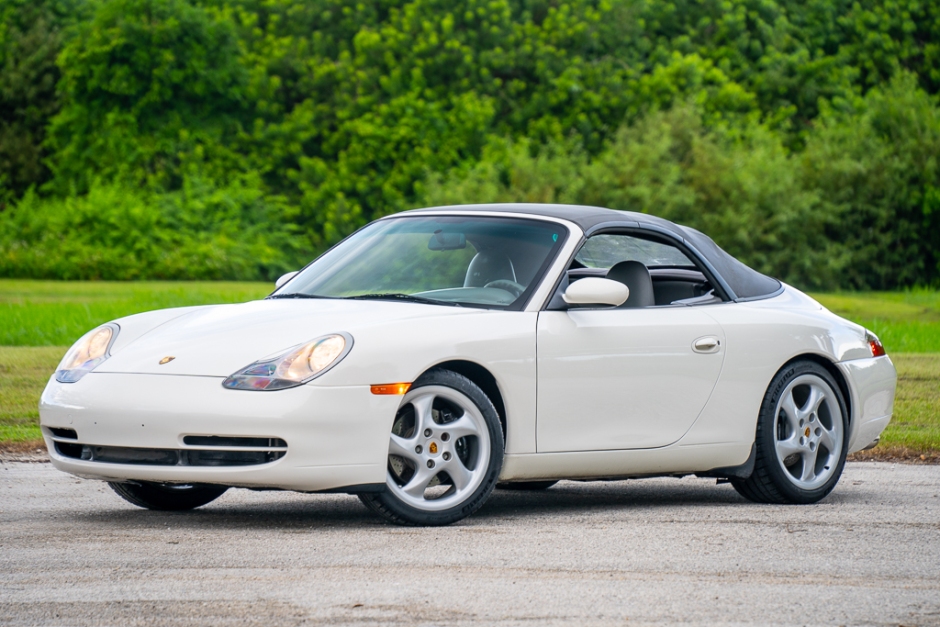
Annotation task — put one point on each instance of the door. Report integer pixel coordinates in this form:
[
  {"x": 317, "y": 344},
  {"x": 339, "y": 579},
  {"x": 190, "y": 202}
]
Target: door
[{"x": 612, "y": 379}]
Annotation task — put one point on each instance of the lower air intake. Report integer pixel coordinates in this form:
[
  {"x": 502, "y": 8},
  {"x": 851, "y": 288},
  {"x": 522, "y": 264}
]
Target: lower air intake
[{"x": 172, "y": 457}]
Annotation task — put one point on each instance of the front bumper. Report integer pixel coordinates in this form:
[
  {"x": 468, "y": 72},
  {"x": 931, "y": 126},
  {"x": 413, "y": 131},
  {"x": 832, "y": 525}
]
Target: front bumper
[
  {"x": 335, "y": 436},
  {"x": 872, "y": 384}
]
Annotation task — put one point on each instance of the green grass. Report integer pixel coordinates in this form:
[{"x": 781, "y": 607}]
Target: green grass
[
  {"x": 24, "y": 371},
  {"x": 906, "y": 322},
  {"x": 56, "y": 313},
  {"x": 916, "y": 422},
  {"x": 39, "y": 319}
]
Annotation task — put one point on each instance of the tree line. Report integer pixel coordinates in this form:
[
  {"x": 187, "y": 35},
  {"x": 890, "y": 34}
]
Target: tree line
[{"x": 173, "y": 139}]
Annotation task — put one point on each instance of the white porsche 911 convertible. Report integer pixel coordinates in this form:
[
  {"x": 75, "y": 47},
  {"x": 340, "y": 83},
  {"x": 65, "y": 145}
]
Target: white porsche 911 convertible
[{"x": 437, "y": 354}]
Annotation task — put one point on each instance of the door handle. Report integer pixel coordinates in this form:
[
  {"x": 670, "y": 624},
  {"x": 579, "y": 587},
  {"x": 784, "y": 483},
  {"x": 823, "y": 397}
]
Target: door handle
[{"x": 706, "y": 344}]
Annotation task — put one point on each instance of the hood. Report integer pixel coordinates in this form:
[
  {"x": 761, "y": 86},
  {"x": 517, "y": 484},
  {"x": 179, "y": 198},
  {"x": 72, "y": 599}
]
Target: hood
[{"x": 219, "y": 340}]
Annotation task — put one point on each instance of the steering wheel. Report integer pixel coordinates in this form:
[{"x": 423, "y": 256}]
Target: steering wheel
[{"x": 516, "y": 289}]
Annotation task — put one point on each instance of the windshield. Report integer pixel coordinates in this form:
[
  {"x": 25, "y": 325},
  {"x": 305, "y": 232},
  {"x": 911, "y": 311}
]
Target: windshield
[{"x": 456, "y": 260}]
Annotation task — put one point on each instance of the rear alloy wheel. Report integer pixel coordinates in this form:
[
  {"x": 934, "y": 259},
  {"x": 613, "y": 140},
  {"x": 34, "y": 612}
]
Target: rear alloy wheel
[
  {"x": 445, "y": 453},
  {"x": 167, "y": 496},
  {"x": 801, "y": 438}
]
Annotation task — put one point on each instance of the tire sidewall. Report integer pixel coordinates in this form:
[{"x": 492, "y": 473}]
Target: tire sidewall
[
  {"x": 158, "y": 497},
  {"x": 412, "y": 515},
  {"x": 767, "y": 435}
]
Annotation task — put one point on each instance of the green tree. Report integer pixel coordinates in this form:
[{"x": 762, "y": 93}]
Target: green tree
[
  {"x": 876, "y": 165},
  {"x": 149, "y": 88},
  {"x": 204, "y": 230},
  {"x": 31, "y": 35}
]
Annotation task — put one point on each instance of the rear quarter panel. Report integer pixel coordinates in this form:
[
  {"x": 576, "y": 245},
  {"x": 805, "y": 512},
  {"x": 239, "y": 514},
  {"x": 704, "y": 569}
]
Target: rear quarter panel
[{"x": 762, "y": 336}]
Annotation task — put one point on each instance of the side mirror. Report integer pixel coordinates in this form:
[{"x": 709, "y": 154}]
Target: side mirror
[
  {"x": 596, "y": 291},
  {"x": 285, "y": 278}
]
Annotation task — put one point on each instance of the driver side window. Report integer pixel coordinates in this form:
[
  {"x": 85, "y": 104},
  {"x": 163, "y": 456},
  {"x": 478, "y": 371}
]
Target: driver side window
[{"x": 656, "y": 272}]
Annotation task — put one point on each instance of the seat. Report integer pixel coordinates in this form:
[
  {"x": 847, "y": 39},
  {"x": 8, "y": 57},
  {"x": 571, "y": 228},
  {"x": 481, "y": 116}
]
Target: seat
[
  {"x": 636, "y": 277},
  {"x": 488, "y": 266}
]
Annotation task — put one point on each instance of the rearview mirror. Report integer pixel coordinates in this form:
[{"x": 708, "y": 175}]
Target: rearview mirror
[
  {"x": 285, "y": 278},
  {"x": 596, "y": 291},
  {"x": 447, "y": 241}
]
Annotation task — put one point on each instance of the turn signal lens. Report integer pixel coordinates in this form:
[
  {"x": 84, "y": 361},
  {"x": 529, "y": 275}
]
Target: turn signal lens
[
  {"x": 396, "y": 389},
  {"x": 877, "y": 350}
]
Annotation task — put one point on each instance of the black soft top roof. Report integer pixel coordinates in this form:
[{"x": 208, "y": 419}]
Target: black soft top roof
[{"x": 745, "y": 283}]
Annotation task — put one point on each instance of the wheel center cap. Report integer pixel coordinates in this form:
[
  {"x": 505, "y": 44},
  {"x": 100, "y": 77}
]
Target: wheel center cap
[
  {"x": 806, "y": 432},
  {"x": 432, "y": 448}
]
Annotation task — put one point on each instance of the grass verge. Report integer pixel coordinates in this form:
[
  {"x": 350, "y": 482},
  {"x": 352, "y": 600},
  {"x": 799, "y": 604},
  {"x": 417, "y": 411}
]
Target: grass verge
[
  {"x": 24, "y": 371},
  {"x": 912, "y": 435},
  {"x": 906, "y": 322},
  {"x": 39, "y": 319},
  {"x": 56, "y": 313}
]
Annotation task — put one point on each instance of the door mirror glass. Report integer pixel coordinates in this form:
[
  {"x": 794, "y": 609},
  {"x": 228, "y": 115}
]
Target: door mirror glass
[
  {"x": 285, "y": 278},
  {"x": 596, "y": 291}
]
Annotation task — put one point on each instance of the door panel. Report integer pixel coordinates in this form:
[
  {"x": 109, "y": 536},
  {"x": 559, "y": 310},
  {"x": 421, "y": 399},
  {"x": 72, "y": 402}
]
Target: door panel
[{"x": 611, "y": 379}]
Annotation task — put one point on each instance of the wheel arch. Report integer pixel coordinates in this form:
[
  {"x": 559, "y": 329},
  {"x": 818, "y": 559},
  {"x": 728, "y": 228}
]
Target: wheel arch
[
  {"x": 483, "y": 378},
  {"x": 831, "y": 368}
]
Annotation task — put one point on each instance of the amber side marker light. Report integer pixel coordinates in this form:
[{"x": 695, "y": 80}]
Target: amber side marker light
[
  {"x": 396, "y": 389},
  {"x": 877, "y": 350}
]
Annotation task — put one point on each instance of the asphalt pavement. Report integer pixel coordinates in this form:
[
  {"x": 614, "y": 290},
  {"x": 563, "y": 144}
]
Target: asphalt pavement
[{"x": 651, "y": 551}]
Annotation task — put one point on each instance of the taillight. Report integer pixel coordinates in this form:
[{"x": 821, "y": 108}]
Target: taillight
[{"x": 877, "y": 350}]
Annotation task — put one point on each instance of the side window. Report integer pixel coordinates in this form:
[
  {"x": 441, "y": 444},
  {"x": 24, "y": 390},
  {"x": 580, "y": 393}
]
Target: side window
[
  {"x": 657, "y": 273},
  {"x": 606, "y": 250}
]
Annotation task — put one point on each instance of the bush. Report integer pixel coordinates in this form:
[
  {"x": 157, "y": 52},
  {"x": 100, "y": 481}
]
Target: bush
[
  {"x": 876, "y": 166},
  {"x": 116, "y": 232}
]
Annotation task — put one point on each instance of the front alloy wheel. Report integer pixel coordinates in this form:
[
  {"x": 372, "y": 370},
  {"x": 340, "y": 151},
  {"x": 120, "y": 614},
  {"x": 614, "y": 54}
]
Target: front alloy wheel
[{"x": 445, "y": 453}]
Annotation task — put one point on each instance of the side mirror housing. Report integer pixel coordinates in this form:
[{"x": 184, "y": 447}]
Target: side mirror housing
[
  {"x": 596, "y": 291},
  {"x": 285, "y": 278}
]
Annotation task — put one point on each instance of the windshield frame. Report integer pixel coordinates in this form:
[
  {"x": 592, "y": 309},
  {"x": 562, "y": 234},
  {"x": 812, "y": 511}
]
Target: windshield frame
[{"x": 520, "y": 304}]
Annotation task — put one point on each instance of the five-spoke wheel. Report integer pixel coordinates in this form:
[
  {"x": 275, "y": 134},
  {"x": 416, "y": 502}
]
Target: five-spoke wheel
[
  {"x": 809, "y": 431},
  {"x": 445, "y": 452},
  {"x": 801, "y": 438}
]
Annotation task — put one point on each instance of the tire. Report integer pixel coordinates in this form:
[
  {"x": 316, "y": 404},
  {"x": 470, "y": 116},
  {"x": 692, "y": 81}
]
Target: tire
[
  {"x": 167, "y": 497},
  {"x": 802, "y": 438},
  {"x": 526, "y": 486},
  {"x": 445, "y": 453}
]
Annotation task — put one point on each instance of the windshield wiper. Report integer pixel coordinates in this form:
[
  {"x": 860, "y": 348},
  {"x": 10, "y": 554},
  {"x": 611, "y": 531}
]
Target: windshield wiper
[
  {"x": 407, "y": 297},
  {"x": 296, "y": 295}
]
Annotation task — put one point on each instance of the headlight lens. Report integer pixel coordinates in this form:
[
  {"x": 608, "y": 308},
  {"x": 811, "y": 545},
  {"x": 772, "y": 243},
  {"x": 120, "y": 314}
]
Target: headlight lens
[
  {"x": 87, "y": 353},
  {"x": 294, "y": 367}
]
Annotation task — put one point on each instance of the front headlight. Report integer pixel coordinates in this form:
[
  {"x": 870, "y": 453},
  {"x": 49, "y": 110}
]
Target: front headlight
[
  {"x": 294, "y": 367},
  {"x": 87, "y": 353}
]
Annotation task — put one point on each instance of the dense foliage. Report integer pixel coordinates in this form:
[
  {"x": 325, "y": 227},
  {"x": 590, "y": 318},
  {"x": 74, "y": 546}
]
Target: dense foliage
[{"x": 234, "y": 138}]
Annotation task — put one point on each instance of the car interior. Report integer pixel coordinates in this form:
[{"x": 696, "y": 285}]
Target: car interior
[{"x": 654, "y": 280}]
